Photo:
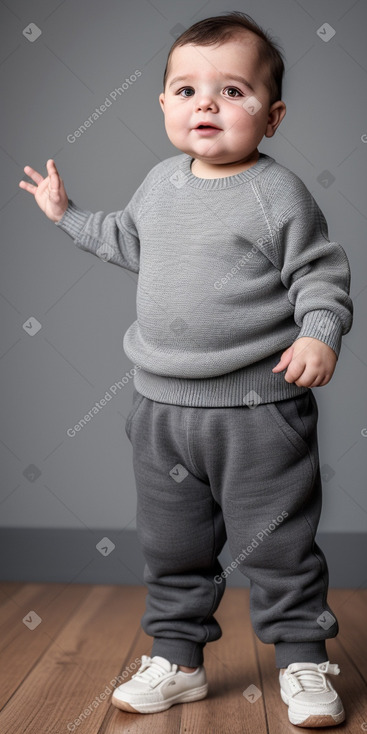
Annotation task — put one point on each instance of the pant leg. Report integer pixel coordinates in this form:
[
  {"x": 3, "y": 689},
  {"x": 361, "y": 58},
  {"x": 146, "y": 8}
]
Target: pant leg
[
  {"x": 270, "y": 492},
  {"x": 181, "y": 531},
  {"x": 262, "y": 467}
]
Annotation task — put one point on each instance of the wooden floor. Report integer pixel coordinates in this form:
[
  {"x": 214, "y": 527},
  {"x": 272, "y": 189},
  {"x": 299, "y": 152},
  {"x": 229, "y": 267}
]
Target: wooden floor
[{"x": 57, "y": 677}]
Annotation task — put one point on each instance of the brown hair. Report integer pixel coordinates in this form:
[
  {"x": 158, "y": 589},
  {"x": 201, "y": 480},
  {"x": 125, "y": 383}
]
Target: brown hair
[{"x": 221, "y": 28}]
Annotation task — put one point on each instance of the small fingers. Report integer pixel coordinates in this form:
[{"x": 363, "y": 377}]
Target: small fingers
[
  {"x": 311, "y": 380},
  {"x": 54, "y": 175},
  {"x": 320, "y": 382},
  {"x": 292, "y": 375},
  {"x": 27, "y": 186},
  {"x": 51, "y": 167},
  {"x": 33, "y": 174}
]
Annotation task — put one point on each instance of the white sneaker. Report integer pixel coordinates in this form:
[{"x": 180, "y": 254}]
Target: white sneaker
[
  {"x": 157, "y": 685},
  {"x": 311, "y": 699}
]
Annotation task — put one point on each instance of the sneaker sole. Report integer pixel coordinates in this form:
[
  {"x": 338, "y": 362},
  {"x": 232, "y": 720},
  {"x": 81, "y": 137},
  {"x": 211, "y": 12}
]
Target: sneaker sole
[
  {"x": 313, "y": 721},
  {"x": 196, "y": 694}
]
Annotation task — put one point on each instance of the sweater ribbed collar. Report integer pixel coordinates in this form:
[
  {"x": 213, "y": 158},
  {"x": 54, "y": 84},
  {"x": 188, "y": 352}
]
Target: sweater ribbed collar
[{"x": 228, "y": 181}]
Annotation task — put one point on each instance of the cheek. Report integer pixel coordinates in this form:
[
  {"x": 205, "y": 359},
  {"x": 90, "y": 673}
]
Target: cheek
[
  {"x": 169, "y": 120},
  {"x": 251, "y": 124},
  {"x": 175, "y": 115},
  {"x": 243, "y": 122}
]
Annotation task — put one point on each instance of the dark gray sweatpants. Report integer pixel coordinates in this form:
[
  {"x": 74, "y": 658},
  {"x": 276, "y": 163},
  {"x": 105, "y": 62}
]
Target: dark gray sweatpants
[{"x": 246, "y": 474}]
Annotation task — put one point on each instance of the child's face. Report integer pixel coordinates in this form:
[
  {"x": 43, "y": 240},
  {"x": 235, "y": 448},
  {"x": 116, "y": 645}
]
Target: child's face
[{"x": 209, "y": 92}]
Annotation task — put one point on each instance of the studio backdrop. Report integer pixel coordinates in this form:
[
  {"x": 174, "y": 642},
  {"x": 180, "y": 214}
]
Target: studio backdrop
[{"x": 80, "y": 84}]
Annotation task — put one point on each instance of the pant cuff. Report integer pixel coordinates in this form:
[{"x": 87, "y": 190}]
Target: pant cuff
[
  {"x": 182, "y": 652},
  {"x": 300, "y": 652}
]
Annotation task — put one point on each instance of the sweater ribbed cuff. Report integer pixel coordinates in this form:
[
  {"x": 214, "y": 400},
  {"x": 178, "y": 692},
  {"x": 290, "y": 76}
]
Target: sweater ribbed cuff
[
  {"x": 324, "y": 325},
  {"x": 73, "y": 220}
]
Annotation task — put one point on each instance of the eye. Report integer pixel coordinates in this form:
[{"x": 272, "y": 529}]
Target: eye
[
  {"x": 233, "y": 89},
  {"x": 185, "y": 89}
]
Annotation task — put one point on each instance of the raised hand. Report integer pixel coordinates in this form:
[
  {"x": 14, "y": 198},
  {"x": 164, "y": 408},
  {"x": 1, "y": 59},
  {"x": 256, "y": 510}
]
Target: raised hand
[{"x": 49, "y": 192}]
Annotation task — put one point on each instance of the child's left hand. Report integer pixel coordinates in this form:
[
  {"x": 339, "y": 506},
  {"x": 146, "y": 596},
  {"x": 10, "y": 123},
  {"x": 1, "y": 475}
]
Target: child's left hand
[{"x": 310, "y": 362}]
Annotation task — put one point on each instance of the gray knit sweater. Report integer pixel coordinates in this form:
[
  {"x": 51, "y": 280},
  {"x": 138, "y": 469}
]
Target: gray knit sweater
[{"x": 231, "y": 271}]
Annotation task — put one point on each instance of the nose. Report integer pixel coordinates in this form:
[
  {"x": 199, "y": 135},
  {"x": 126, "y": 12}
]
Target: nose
[{"x": 205, "y": 101}]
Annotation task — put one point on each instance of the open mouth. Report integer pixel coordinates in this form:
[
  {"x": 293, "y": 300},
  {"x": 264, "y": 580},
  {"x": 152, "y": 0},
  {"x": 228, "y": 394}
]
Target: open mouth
[{"x": 206, "y": 127}]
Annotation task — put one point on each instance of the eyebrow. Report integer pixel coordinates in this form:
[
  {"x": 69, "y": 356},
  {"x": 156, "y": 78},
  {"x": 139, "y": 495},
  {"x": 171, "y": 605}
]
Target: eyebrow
[{"x": 227, "y": 76}]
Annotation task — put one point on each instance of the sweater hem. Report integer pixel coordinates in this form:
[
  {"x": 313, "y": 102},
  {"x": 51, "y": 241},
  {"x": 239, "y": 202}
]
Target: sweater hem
[{"x": 248, "y": 387}]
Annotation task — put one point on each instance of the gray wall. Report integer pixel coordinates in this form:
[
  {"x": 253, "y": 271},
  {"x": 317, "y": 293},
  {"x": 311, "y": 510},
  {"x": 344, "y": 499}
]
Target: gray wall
[{"x": 49, "y": 85}]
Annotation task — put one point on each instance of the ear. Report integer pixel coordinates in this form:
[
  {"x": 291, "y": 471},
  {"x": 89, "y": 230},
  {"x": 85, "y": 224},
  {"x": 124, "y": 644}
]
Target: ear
[
  {"x": 161, "y": 100},
  {"x": 276, "y": 113}
]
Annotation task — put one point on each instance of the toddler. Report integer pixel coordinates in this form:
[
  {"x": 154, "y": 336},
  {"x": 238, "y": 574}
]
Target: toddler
[{"x": 242, "y": 301}]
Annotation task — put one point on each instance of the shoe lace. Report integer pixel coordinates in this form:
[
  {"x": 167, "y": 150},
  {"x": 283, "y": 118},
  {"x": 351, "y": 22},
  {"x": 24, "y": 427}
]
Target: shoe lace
[
  {"x": 314, "y": 680},
  {"x": 150, "y": 670}
]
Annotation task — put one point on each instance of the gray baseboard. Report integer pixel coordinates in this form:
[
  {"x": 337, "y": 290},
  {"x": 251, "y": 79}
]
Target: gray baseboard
[{"x": 71, "y": 556}]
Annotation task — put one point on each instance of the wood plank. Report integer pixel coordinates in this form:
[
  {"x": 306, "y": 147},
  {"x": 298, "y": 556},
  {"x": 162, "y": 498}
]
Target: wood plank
[
  {"x": 21, "y": 647},
  {"x": 340, "y": 597},
  {"x": 9, "y": 589},
  {"x": 80, "y": 663},
  {"x": 350, "y": 607}
]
